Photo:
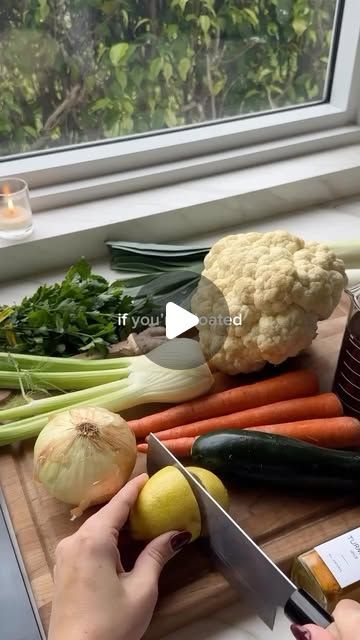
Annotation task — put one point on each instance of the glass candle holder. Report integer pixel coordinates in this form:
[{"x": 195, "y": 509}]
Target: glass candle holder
[{"x": 16, "y": 221}]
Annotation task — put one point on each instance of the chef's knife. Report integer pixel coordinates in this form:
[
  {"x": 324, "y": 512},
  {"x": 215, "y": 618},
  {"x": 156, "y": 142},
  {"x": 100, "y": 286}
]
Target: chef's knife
[{"x": 240, "y": 560}]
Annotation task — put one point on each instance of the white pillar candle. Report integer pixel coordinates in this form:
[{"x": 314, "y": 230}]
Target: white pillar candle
[
  {"x": 15, "y": 210},
  {"x": 14, "y": 218}
]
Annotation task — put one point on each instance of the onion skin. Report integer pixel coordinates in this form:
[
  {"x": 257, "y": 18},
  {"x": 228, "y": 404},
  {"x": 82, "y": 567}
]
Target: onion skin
[{"x": 84, "y": 456}]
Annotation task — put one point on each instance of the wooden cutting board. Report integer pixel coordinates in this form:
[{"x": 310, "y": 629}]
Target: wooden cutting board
[{"x": 284, "y": 524}]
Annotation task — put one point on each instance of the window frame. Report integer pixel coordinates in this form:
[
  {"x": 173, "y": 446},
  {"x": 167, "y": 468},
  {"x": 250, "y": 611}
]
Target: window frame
[{"x": 67, "y": 176}]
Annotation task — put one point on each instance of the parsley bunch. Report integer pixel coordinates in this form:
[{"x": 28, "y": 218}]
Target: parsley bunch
[{"x": 78, "y": 314}]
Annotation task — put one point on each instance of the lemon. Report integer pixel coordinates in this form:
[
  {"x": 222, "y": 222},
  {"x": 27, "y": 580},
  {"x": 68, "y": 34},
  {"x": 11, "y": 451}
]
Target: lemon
[
  {"x": 213, "y": 485},
  {"x": 166, "y": 503}
]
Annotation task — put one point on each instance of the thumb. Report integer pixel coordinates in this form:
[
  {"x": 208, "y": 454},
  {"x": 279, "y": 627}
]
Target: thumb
[
  {"x": 154, "y": 557},
  {"x": 311, "y": 632}
]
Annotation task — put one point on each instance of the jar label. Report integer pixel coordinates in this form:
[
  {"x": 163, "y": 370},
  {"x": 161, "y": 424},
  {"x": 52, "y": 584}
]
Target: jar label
[{"x": 342, "y": 557}]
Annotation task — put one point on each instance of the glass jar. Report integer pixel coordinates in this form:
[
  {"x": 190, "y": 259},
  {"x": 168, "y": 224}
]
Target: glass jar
[
  {"x": 331, "y": 571},
  {"x": 347, "y": 377}
]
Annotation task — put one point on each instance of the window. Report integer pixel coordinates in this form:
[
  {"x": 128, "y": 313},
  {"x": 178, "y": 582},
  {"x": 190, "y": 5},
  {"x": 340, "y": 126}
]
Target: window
[{"x": 80, "y": 71}]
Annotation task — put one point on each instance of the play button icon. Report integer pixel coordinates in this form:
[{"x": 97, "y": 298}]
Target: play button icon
[
  {"x": 168, "y": 302},
  {"x": 178, "y": 320}
]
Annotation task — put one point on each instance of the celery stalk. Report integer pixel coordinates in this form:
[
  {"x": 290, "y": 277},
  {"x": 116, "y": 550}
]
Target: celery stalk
[
  {"x": 62, "y": 380},
  {"x": 46, "y": 405},
  {"x": 31, "y": 427},
  {"x": 10, "y": 361},
  {"x": 182, "y": 375}
]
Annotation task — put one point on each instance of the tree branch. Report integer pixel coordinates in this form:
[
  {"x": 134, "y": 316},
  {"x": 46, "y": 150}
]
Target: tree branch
[
  {"x": 269, "y": 97},
  {"x": 70, "y": 101},
  {"x": 209, "y": 79},
  {"x": 73, "y": 97},
  {"x": 152, "y": 8},
  {"x": 240, "y": 53}
]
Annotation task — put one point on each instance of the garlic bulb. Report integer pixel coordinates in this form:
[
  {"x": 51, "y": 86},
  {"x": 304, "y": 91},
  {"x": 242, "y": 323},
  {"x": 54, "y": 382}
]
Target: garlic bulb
[{"x": 84, "y": 456}]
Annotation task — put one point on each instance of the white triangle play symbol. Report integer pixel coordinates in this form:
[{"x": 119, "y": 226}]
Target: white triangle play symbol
[{"x": 178, "y": 320}]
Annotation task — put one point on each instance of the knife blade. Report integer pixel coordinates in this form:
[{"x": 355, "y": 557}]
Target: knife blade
[{"x": 243, "y": 564}]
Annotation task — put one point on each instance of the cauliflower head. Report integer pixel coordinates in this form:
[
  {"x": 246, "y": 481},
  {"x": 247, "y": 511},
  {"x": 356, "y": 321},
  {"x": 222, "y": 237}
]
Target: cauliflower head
[{"x": 279, "y": 285}]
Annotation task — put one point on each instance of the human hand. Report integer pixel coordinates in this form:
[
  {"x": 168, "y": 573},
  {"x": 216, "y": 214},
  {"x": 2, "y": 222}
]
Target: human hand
[
  {"x": 345, "y": 627},
  {"x": 94, "y": 597}
]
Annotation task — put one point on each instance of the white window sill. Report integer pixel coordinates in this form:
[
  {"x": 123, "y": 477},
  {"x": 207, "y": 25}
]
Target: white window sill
[
  {"x": 183, "y": 210},
  {"x": 338, "y": 221}
]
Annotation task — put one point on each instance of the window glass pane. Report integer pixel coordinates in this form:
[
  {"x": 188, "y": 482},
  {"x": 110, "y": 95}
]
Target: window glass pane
[{"x": 74, "y": 71}]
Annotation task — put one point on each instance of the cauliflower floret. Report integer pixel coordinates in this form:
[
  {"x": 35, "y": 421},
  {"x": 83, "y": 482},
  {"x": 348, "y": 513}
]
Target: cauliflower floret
[{"x": 279, "y": 285}]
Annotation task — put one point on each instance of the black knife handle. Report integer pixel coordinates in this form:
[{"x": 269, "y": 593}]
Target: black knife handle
[{"x": 303, "y": 609}]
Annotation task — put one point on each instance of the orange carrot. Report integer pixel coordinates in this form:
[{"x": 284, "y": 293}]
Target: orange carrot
[
  {"x": 296, "y": 384},
  {"x": 334, "y": 433},
  {"x": 222, "y": 382},
  {"x": 181, "y": 447},
  {"x": 326, "y": 405}
]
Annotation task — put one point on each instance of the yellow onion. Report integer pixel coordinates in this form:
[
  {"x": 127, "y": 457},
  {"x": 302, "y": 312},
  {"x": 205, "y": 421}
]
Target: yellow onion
[{"x": 84, "y": 456}]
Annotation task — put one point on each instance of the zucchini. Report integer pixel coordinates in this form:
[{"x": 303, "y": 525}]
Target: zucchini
[{"x": 269, "y": 459}]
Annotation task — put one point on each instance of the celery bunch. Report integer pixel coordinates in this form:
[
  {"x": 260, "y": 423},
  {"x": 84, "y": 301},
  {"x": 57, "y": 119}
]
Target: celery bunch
[{"x": 175, "y": 372}]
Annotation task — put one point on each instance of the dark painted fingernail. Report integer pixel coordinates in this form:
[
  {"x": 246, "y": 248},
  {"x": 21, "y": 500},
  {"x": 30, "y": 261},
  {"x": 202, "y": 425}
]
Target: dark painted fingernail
[
  {"x": 180, "y": 540},
  {"x": 300, "y": 633}
]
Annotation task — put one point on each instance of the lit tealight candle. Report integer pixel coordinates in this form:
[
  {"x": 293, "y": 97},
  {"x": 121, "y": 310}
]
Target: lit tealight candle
[{"x": 15, "y": 210}]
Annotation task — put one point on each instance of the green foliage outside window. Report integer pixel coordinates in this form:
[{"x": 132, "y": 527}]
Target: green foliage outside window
[{"x": 79, "y": 70}]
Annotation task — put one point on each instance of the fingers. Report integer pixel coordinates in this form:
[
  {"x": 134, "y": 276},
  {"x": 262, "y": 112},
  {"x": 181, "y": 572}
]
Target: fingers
[
  {"x": 347, "y": 620},
  {"x": 114, "y": 514},
  {"x": 312, "y": 632},
  {"x": 152, "y": 560}
]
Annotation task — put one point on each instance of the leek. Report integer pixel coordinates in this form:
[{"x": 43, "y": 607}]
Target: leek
[
  {"x": 174, "y": 372},
  {"x": 348, "y": 251},
  {"x": 353, "y": 277}
]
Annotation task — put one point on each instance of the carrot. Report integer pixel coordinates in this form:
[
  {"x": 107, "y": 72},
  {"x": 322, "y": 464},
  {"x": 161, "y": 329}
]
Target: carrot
[
  {"x": 333, "y": 433},
  {"x": 296, "y": 384},
  {"x": 181, "y": 447},
  {"x": 326, "y": 405},
  {"x": 222, "y": 382}
]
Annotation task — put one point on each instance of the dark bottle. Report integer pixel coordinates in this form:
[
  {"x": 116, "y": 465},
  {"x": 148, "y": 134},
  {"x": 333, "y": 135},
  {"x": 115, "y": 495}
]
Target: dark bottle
[{"x": 347, "y": 376}]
